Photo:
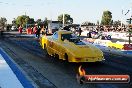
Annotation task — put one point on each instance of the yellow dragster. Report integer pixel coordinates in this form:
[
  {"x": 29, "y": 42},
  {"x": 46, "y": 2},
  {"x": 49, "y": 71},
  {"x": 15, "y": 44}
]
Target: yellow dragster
[{"x": 66, "y": 46}]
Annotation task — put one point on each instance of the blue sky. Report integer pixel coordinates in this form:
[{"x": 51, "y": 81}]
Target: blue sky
[{"x": 80, "y": 10}]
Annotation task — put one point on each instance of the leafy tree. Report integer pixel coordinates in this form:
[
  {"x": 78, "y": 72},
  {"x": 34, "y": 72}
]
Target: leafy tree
[
  {"x": 106, "y": 18},
  {"x": 42, "y": 23},
  {"x": 116, "y": 23},
  {"x": 67, "y": 19},
  {"x": 45, "y": 22},
  {"x": 14, "y": 22},
  {"x": 2, "y": 22},
  {"x": 39, "y": 21},
  {"x": 31, "y": 21},
  {"x": 111, "y": 22},
  {"x": 23, "y": 20}
]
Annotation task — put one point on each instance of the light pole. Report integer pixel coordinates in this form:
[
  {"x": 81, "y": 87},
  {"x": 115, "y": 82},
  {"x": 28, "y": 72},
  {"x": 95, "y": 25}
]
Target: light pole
[
  {"x": 63, "y": 20},
  {"x": 130, "y": 29},
  {"x": 129, "y": 24}
]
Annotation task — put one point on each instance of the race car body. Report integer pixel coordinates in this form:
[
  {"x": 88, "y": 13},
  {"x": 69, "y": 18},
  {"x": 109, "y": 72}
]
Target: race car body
[
  {"x": 96, "y": 35},
  {"x": 115, "y": 45},
  {"x": 67, "y": 46}
]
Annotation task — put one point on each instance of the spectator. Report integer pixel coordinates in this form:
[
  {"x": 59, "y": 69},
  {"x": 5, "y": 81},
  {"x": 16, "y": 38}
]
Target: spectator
[
  {"x": 79, "y": 31},
  {"x": 20, "y": 29},
  {"x": 7, "y": 27},
  {"x": 43, "y": 30},
  {"x": 35, "y": 29},
  {"x": 38, "y": 32},
  {"x": 29, "y": 30}
]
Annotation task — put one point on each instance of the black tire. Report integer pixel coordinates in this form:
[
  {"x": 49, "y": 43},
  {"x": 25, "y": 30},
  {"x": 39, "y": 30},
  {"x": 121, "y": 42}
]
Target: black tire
[
  {"x": 44, "y": 46},
  {"x": 82, "y": 80},
  {"x": 45, "y": 49},
  {"x": 66, "y": 57},
  {"x": 99, "y": 63},
  {"x": 56, "y": 56}
]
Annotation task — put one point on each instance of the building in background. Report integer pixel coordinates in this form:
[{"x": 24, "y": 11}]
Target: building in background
[{"x": 54, "y": 26}]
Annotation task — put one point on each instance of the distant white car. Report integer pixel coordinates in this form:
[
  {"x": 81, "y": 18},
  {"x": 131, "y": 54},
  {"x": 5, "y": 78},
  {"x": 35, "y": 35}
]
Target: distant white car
[{"x": 13, "y": 28}]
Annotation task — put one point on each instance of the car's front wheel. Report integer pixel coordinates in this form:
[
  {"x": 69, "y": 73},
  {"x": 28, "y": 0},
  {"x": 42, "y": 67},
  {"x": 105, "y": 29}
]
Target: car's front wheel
[
  {"x": 45, "y": 49},
  {"x": 66, "y": 57}
]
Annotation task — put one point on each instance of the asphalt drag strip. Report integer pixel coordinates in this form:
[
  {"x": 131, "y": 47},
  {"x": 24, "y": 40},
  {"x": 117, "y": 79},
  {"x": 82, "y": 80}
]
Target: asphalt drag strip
[{"x": 58, "y": 72}]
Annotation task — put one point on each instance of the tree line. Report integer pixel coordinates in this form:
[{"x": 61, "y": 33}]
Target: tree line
[{"x": 24, "y": 19}]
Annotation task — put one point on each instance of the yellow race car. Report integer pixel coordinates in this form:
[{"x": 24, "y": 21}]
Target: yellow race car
[{"x": 67, "y": 46}]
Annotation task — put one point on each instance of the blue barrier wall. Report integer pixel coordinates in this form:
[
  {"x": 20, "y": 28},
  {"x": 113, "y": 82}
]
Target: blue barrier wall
[{"x": 21, "y": 77}]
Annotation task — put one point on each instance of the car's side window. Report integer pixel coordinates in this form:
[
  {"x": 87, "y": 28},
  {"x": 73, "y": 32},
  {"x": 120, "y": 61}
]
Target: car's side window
[
  {"x": 62, "y": 38},
  {"x": 66, "y": 36},
  {"x": 55, "y": 35}
]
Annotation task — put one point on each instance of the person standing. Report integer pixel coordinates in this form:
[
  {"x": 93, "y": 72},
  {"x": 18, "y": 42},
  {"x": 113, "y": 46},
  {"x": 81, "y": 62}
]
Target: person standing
[
  {"x": 80, "y": 31},
  {"x": 29, "y": 30},
  {"x": 43, "y": 30},
  {"x": 38, "y": 32},
  {"x": 7, "y": 27},
  {"x": 20, "y": 29},
  {"x": 35, "y": 29}
]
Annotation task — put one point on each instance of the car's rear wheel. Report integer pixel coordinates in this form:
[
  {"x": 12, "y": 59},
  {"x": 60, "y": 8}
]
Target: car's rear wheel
[{"x": 56, "y": 56}]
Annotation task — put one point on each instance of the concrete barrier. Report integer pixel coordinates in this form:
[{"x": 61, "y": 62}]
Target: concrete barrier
[
  {"x": 107, "y": 45},
  {"x": 102, "y": 42}
]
